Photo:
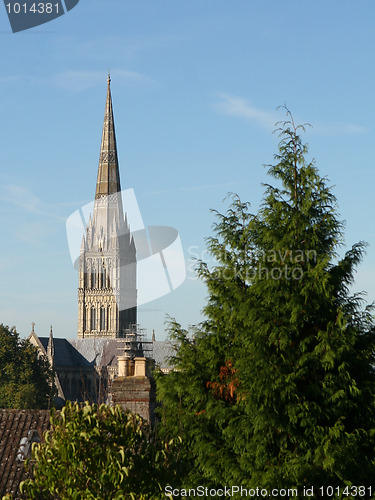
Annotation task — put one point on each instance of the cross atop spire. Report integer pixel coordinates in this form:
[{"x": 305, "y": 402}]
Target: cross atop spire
[{"x": 108, "y": 181}]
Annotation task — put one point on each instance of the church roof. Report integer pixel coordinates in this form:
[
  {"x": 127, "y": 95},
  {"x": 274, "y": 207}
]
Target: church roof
[
  {"x": 162, "y": 350},
  {"x": 64, "y": 354},
  {"x": 99, "y": 352},
  {"x": 84, "y": 352}
]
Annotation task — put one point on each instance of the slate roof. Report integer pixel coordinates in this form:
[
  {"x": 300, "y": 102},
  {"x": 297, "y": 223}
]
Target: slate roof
[
  {"x": 85, "y": 352},
  {"x": 99, "y": 352},
  {"x": 15, "y": 426},
  {"x": 162, "y": 351}
]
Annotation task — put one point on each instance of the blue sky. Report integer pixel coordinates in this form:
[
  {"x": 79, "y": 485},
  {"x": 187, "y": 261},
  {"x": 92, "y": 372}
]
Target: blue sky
[{"x": 195, "y": 87}]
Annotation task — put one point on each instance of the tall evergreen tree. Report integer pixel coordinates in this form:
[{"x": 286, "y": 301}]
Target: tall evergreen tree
[{"x": 277, "y": 388}]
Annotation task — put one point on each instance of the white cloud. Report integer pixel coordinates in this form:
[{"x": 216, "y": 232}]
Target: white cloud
[
  {"x": 240, "y": 107},
  {"x": 237, "y": 106},
  {"x": 23, "y": 198}
]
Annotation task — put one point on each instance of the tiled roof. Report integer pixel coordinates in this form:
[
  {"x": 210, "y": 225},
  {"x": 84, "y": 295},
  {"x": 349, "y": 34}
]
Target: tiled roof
[{"x": 15, "y": 426}]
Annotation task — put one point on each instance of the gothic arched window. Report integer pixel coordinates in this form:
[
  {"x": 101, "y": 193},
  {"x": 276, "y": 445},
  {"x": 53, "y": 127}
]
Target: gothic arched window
[
  {"x": 102, "y": 318},
  {"x": 93, "y": 319}
]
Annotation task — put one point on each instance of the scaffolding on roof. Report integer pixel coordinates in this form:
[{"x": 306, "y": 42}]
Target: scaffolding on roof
[{"x": 136, "y": 344}]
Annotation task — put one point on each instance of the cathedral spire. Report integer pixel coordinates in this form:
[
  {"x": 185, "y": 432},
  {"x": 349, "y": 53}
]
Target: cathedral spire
[
  {"x": 108, "y": 181},
  {"x": 107, "y": 293}
]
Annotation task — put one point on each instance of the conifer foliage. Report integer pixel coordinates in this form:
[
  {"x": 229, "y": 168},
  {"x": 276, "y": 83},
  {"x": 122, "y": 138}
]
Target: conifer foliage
[{"x": 276, "y": 389}]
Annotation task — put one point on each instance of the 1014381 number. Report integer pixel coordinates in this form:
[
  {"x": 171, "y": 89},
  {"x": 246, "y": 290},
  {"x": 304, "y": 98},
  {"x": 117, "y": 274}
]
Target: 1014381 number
[
  {"x": 348, "y": 491},
  {"x": 34, "y": 8}
]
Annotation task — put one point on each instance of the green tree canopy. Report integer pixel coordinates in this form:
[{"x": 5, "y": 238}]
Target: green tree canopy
[
  {"x": 100, "y": 452},
  {"x": 276, "y": 388},
  {"x": 26, "y": 379}
]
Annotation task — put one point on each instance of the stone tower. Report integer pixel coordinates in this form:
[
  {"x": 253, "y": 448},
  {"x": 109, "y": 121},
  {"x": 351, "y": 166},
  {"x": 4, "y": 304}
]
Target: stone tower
[{"x": 107, "y": 293}]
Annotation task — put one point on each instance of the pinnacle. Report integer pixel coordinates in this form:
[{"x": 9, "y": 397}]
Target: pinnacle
[{"x": 108, "y": 181}]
